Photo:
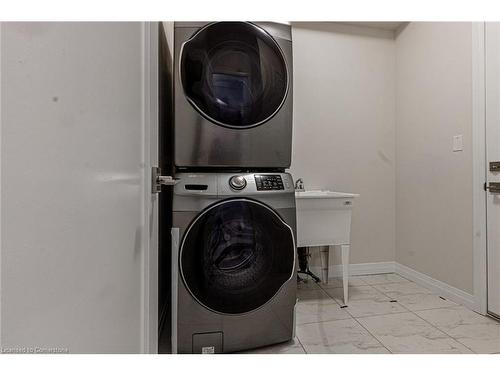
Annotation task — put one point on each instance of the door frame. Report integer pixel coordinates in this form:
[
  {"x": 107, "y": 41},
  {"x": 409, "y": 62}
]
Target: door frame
[
  {"x": 149, "y": 205},
  {"x": 479, "y": 166}
]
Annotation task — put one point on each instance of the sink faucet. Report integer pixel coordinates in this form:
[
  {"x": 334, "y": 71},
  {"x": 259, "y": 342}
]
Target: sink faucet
[{"x": 299, "y": 185}]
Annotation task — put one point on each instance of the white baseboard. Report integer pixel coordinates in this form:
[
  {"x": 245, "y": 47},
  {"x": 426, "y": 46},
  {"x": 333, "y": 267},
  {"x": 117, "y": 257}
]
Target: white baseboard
[
  {"x": 445, "y": 290},
  {"x": 358, "y": 269}
]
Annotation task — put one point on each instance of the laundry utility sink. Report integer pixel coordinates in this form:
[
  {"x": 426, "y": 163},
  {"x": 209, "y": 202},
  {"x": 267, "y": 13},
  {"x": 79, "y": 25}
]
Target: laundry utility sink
[
  {"x": 320, "y": 194},
  {"x": 323, "y": 217},
  {"x": 324, "y": 220}
]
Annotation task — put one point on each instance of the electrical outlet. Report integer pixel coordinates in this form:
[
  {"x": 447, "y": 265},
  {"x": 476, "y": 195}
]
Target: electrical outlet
[{"x": 458, "y": 143}]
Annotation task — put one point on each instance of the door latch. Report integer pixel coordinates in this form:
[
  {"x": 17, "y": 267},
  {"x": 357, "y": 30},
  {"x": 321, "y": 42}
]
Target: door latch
[
  {"x": 493, "y": 187},
  {"x": 158, "y": 180}
]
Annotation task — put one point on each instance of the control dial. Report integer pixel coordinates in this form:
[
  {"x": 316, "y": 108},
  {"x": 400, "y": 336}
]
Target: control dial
[{"x": 237, "y": 182}]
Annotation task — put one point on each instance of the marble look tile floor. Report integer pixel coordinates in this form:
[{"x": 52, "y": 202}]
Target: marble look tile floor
[{"x": 386, "y": 314}]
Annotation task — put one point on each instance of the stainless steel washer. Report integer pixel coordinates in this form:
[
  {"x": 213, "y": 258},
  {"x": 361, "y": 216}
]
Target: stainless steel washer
[
  {"x": 234, "y": 261},
  {"x": 233, "y": 95}
]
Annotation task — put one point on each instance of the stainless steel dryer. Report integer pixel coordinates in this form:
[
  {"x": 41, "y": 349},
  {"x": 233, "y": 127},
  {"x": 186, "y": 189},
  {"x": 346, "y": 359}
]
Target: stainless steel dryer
[
  {"x": 234, "y": 262},
  {"x": 233, "y": 94}
]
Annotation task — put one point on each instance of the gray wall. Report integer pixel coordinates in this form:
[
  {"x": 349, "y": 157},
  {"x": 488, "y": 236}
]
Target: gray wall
[
  {"x": 344, "y": 126},
  {"x": 434, "y": 233}
]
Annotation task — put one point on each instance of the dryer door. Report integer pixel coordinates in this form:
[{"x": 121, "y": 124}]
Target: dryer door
[
  {"x": 236, "y": 255},
  {"x": 234, "y": 74}
]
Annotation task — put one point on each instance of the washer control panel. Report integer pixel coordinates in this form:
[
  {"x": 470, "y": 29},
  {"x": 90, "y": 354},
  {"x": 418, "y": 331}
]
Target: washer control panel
[
  {"x": 225, "y": 185},
  {"x": 269, "y": 182}
]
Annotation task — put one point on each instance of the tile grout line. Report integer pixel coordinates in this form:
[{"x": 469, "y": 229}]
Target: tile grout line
[
  {"x": 366, "y": 329},
  {"x": 325, "y": 321},
  {"x": 359, "y": 317},
  {"x": 412, "y": 294},
  {"x": 329, "y": 297},
  {"x": 439, "y": 329},
  {"x": 385, "y": 293},
  {"x": 381, "y": 292},
  {"x": 388, "y": 296},
  {"x": 437, "y": 308},
  {"x": 406, "y": 310},
  {"x": 301, "y": 345},
  {"x": 372, "y": 335},
  {"x": 349, "y": 318},
  {"x": 418, "y": 316},
  {"x": 376, "y": 315},
  {"x": 432, "y": 325},
  {"x": 404, "y": 307}
]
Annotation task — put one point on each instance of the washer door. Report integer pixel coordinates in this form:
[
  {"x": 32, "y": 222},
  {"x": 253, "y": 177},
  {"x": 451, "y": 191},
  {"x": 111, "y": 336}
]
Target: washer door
[
  {"x": 236, "y": 256},
  {"x": 234, "y": 74}
]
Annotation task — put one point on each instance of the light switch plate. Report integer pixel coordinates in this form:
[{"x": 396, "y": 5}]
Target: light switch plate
[{"x": 458, "y": 143}]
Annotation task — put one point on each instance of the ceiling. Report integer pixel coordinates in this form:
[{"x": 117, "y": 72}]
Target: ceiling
[{"x": 391, "y": 26}]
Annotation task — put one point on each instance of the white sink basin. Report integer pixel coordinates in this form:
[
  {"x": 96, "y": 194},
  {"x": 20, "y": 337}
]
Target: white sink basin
[
  {"x": 321, "y": 194},
  {"x": 323, "y": 217}
]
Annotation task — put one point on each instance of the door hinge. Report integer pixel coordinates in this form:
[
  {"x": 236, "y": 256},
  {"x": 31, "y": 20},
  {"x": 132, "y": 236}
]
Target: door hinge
[
  {"x": 494, "y": 166},
  {"x": 493, "y": 187},
  {"x": 158, "y": 180}
]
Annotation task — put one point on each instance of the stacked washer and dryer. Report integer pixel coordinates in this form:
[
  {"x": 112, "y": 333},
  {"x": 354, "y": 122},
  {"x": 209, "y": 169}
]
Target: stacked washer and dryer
[{"x": 233, "y": 222}]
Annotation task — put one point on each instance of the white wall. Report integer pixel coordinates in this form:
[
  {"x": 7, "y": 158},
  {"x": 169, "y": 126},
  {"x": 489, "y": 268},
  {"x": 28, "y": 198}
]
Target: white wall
[
  {"x": 344, "y": 126},
  {"x": 434, "y": 233}
]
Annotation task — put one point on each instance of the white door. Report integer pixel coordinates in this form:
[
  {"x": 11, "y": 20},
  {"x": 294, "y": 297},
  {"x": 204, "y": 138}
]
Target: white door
[
  {"x": 78, "y": 221},
  {"x": 493, "y": 155}
]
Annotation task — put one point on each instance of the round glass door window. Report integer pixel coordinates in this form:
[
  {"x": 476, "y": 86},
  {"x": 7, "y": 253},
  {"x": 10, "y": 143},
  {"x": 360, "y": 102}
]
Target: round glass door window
[
  {"x": 236, "y": 256},
  {"x": 234, "y": 74}
]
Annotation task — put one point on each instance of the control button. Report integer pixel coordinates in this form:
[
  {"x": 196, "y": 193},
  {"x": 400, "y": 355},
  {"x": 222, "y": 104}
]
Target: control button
[{"x": 237, "y": 182}]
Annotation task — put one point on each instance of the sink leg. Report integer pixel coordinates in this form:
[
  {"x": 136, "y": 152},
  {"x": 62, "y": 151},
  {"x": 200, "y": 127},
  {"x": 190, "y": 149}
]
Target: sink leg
[
  {"x": 324, "y": 253},
  {"x": 345, "y": 271}
]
